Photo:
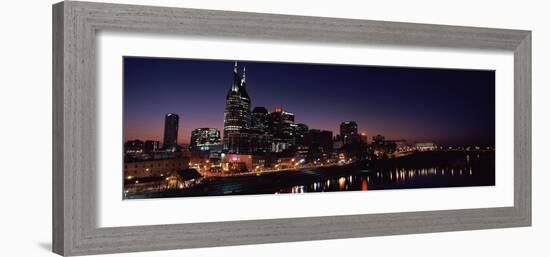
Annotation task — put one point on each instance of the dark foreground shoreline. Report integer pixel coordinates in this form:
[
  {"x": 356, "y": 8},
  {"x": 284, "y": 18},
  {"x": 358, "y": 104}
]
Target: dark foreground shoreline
[{"x": 419, "y": 170}]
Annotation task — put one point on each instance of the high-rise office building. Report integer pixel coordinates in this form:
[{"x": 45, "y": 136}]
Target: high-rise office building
[
  {"x": 236, "y": 122},
  {"x": 205, "y": 139},
  {"x": 301, "y": 130},
  {"x": 259, "y": 121},
  {"x": 260, "y": 142},
  {"x": 348, "y": 132},
  {"x": 260, "y": 135},
  {"x": 171, "y": 124},
  {"x": 282, "y": 126}
]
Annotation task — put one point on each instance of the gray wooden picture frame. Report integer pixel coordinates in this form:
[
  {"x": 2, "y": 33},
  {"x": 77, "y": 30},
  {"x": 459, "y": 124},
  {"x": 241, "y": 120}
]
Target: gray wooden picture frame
[{"x": 75, "y": 25}]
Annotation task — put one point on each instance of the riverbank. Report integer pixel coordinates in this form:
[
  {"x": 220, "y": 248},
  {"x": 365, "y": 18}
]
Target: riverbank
[
  {"x": 259, "y": 173},
  {"x": 426, "y": 170}
]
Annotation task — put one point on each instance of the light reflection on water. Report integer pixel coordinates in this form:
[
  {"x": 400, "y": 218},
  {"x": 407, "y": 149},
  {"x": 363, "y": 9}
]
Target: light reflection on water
[
  {"x": 443, "y": 169},
  {"x": 382, "y": 179}
]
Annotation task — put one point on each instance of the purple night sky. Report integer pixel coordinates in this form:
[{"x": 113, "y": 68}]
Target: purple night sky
[{"x": 444, "y": 106}]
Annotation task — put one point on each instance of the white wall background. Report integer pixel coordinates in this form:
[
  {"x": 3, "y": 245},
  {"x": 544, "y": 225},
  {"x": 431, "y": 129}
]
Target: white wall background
[{"x": 25, "y": 114}]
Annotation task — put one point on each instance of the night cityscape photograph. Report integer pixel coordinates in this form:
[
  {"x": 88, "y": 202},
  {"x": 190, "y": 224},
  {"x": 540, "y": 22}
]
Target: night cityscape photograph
[{"x": 194, "y": 127}]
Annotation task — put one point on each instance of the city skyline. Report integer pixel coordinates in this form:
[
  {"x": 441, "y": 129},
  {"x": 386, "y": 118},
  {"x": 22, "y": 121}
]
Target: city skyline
[{"x": 450, "y": 107}]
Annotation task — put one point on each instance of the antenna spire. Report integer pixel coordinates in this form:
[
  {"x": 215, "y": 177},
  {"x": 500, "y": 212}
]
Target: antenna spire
[
  {"x": 235, "y": 85},
  {"x": 243, "y": 79}
]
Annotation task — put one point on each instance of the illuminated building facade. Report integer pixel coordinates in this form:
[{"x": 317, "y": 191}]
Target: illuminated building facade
[
  {"x": 261, "y": 138},
  {"x": 237, "y": 116},
  {"x": 171, "y": 124},
  {"x": 237, "y": 162},
  {"x": 426, "y": 146},
  {"x": 154, "y": 167},
  {"x": 283, "y": 128},
  {"x": 205, "y": 139},
  {"x": 133, "y": 147}
]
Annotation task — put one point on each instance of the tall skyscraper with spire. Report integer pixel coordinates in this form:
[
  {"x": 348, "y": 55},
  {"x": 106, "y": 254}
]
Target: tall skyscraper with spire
[{"x": 237, "y": 117}]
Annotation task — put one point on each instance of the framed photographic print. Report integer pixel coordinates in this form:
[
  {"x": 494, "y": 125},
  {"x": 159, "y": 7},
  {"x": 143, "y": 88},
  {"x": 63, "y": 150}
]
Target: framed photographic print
[{"x": 183, "y": 128}]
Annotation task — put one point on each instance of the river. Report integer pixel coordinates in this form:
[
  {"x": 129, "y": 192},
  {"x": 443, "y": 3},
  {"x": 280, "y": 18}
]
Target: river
[{"x": 419, "y": 170}]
